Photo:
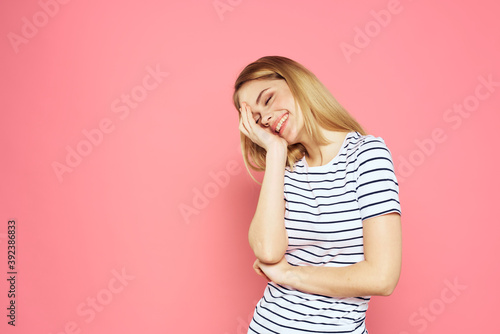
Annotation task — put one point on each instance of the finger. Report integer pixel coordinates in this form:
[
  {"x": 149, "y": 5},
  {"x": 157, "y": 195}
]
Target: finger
[
  {"x": 243, "y": 120},
  {"x": 255, "y": 264},
  {"x": 259, "y": 271},
  {"x": 247, "y": 115},
  {"x": 245, "y": 132},
  {"x": 246, "y": 125},
  {"x": 243, "y": 124},
  {"x": 242, "y": 128}
]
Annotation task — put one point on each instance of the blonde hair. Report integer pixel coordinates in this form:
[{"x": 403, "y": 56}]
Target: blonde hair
[{"x": 319, "y": 107}]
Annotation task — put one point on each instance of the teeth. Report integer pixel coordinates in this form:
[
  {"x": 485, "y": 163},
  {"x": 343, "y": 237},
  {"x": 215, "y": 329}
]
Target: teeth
[{"x": 278, "y": 127}]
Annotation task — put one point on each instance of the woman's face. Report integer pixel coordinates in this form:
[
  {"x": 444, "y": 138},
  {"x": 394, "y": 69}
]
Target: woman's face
[{"x": 273, "y": 107}]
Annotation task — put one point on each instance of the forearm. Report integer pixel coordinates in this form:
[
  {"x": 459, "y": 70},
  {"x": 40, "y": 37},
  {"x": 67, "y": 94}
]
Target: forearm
[
  {"x": 360, "y": 279},
  {"x": 377, "y": 274},
  {"x": 267, "y": 234}
]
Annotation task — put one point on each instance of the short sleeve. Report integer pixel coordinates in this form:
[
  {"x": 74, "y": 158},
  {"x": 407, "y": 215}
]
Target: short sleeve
[{"x": 377, "y": 187}]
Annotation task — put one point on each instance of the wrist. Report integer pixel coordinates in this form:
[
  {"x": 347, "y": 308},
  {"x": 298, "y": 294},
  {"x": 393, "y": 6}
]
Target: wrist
[
  {"x": 277, "y": 151},
  {"x": 291, "y": 276}
]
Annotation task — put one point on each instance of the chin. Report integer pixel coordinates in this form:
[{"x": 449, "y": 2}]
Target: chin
[{"x": 290, "y": 139}]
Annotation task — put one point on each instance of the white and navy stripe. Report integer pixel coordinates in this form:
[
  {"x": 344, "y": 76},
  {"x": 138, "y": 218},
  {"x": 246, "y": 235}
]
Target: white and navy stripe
[{"x": 325, "y": 209}]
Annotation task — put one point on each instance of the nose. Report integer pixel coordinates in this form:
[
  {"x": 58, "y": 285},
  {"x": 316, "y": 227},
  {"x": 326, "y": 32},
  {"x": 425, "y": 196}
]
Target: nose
[{"x": 266, "y": 119}]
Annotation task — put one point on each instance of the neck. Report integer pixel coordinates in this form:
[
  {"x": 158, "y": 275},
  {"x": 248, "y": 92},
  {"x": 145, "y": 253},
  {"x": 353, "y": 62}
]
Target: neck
[{"x": 318, "y": 155}]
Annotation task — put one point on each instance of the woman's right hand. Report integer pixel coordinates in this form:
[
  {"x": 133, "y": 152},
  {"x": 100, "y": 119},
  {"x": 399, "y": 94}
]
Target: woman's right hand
[{"x": 258, "y": 134}]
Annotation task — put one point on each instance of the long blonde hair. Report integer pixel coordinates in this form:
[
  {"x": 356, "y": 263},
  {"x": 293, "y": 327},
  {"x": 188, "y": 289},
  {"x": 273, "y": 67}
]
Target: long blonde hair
[{"x": 319, "y": 107}]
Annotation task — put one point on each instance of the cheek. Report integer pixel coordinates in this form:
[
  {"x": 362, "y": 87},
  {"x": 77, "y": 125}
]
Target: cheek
[
  {"x": 285, "y": 103},
  {"x": 297, "y": 125}
]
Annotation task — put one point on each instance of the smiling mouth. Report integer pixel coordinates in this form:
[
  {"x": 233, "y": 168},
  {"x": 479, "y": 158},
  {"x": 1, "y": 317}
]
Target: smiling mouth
[{"x": 280, "y": 123}]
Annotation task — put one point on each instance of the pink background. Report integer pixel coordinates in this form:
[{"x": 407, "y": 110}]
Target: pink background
[{"x": 161, "y": 195}]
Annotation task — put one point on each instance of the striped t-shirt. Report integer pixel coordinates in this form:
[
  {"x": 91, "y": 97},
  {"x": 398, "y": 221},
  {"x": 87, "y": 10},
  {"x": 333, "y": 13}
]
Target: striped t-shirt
[{"x": 325, "y": 209}]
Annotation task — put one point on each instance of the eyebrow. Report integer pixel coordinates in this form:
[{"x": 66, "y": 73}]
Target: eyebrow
[{"x": 258, "y": 97}]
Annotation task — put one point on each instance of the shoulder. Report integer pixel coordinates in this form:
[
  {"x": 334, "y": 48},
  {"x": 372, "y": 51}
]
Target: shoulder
[
  {"x": 369, "y": 147},
  {"x": 377, "y": 186},
  {"x": 368, "y": 143},
  {"x": 371, "y": 154}
]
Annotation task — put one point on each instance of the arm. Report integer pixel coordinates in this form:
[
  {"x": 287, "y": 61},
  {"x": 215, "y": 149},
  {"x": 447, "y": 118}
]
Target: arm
[
  {"x": 377, "y": 193},
  {"x": 378, "y": 274},
  {"x": 267, "y": 234}
]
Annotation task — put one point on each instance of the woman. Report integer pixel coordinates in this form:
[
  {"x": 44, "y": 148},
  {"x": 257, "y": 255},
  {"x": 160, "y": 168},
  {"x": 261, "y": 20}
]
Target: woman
[{"x": 335, "y": 239}]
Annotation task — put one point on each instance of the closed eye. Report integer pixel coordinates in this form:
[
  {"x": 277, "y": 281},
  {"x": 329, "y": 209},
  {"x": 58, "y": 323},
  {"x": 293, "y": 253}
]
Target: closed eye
[
  {"x": 256, "y": 117},
  {"x": 267, "y": 101}
]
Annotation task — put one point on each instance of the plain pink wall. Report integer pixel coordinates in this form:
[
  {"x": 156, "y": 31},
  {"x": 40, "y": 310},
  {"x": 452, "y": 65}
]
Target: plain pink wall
[{"x": 146, "y": 232}]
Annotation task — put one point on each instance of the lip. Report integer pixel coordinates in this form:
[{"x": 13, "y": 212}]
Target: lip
[
  {"x": 283, "y": 126},
  {"x": 275, "y": 124}
]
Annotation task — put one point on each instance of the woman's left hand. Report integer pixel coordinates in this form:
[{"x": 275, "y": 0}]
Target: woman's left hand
[{"x": 276, "y": 272}]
